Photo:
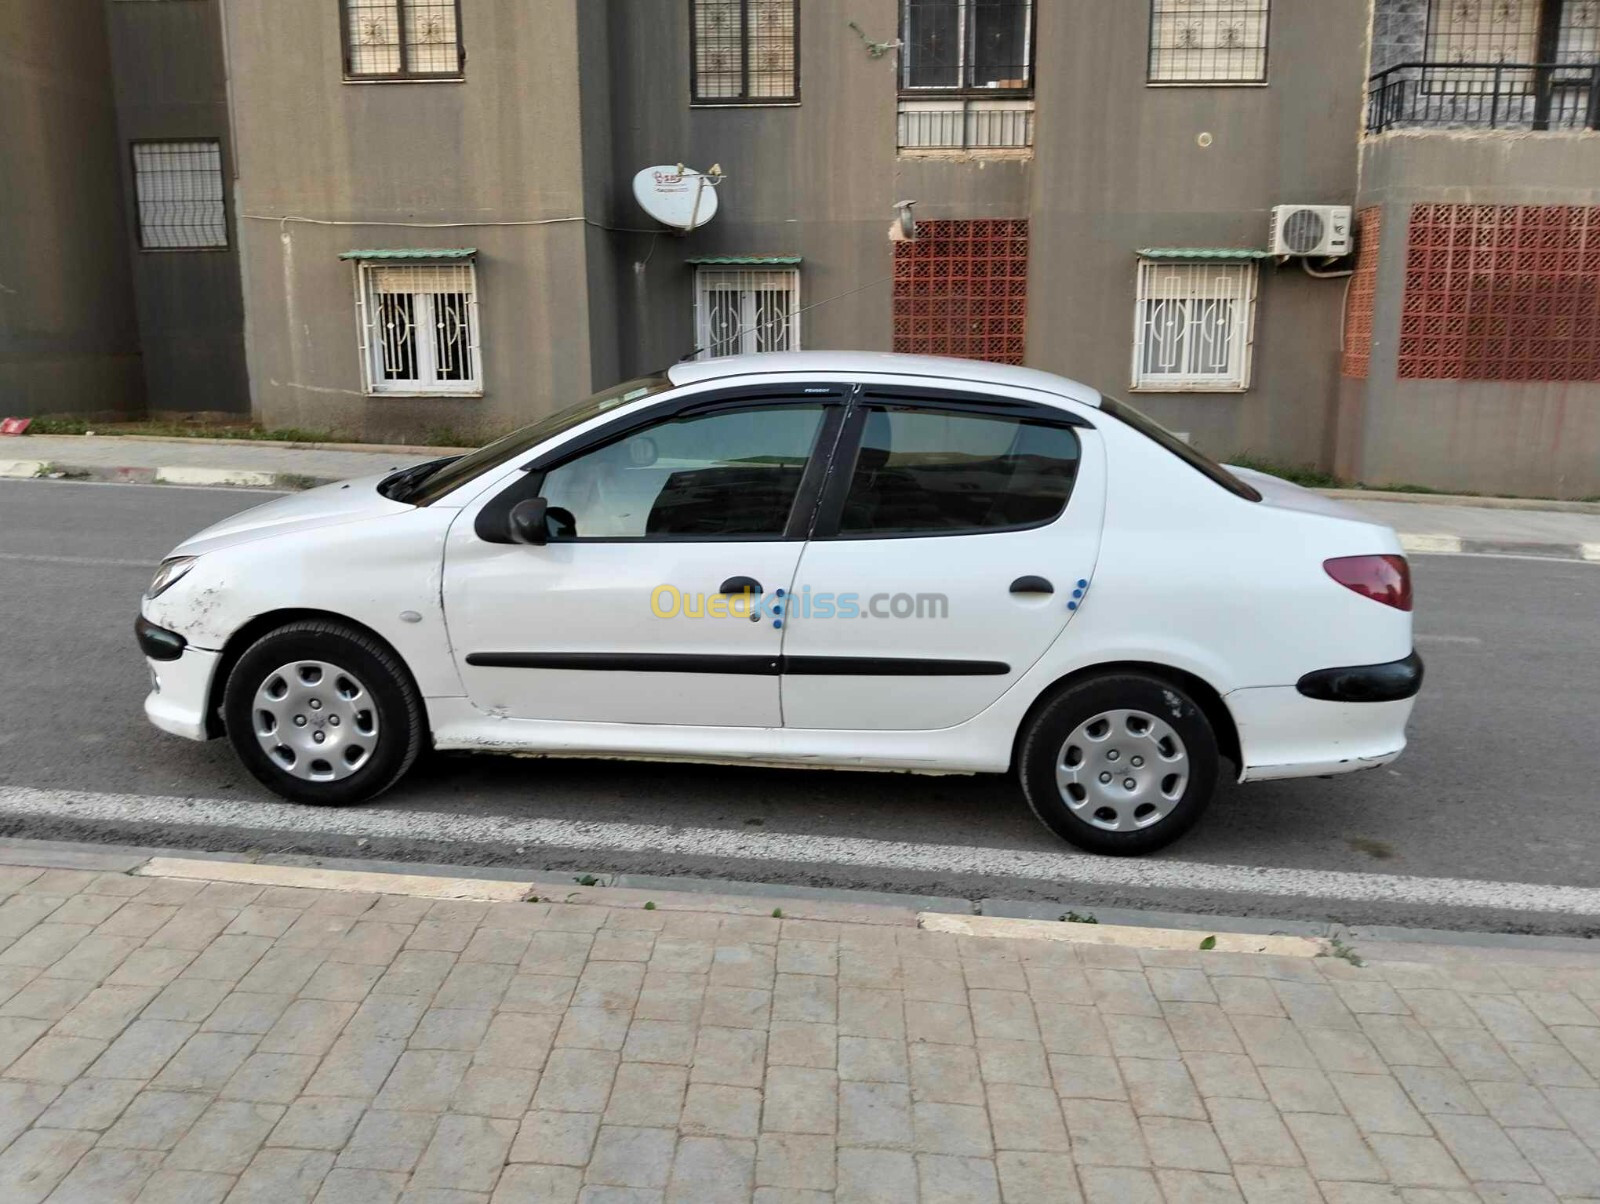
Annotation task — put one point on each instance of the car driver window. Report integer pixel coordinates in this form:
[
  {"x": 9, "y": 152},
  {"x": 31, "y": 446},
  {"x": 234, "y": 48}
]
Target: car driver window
[{"x": 733, "y": 473}]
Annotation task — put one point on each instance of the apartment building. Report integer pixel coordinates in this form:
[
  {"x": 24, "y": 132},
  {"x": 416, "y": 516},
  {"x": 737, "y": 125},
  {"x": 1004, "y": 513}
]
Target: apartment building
[{"x": 390, "y": 217}]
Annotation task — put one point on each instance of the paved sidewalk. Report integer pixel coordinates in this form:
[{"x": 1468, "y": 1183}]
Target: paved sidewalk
[{"x": 189, "y": 1041}]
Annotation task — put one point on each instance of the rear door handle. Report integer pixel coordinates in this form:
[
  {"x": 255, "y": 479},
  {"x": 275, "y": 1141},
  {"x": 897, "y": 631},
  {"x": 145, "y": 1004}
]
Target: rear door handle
[
  {"x": 1032, "y": 585},
  {"x": 740, "y": 585}
]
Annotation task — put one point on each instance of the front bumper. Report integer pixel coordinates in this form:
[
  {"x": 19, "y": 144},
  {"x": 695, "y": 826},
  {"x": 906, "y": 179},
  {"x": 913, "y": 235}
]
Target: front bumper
[{"x": 180, "y": 681}]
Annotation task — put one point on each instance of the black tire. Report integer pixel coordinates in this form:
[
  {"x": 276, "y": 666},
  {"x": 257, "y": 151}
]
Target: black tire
[
  {"x": 401, "y": 723},
  {"x": 1046, "y": 735}
]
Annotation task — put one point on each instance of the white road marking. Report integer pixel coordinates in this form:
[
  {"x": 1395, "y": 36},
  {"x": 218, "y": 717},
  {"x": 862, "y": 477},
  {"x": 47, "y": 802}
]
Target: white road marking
[
  {"x": 1062, "y": 868},
  {"x": 91, "y": 561},
  {"x": 1445, "y": 639},
  {"x": 1589, "y": 551}
]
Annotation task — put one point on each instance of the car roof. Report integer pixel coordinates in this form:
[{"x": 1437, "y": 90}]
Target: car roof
[{"x": 856, "y": 364}]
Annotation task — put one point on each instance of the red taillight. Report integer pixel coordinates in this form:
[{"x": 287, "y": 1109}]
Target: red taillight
[{"x": 1385, "y": 579}]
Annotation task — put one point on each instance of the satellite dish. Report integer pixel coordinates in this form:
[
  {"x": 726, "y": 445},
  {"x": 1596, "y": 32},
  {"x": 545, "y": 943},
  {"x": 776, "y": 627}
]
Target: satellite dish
[{"x": 677, "y": 196}]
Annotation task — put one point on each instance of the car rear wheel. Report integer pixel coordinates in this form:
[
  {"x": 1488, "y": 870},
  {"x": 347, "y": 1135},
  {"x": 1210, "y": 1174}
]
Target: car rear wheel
[
  {"x": 1122, "y": 764},
  {"x": 322, "y": 713}
]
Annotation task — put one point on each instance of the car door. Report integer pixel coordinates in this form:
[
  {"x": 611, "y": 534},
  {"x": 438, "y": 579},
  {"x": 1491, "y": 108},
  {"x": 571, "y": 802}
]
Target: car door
[
  {"x": 951, "y": 545},
  {"x": 636, "y": 610}
]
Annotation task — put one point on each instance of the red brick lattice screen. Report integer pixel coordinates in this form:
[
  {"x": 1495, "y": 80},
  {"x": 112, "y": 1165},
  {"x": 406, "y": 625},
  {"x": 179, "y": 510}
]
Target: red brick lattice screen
[
  {"x": 1502, "y": 292},
  {"x": 1363, "y": 296},
  {"x": 962, "y": 289}
]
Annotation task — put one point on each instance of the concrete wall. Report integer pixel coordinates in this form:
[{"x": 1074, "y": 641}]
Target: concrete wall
[
  {"x": 1516, "y": 437},
  {"x": 819, "y": 180},
  {"x": 69, "y": 341},
  {"x": 327, "y": 166},
  {"x": 169, "y": 82}
]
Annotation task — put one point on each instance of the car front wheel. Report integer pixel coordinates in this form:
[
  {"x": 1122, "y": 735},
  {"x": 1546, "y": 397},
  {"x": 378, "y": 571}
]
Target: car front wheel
[
  {"x": 1122, "y": 764},
  {"x": 322, "y": 713}
]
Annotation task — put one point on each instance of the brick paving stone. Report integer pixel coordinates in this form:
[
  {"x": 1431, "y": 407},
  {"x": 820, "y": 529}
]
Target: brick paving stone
[
  {"x": 466, "y": 1152},
  {"x": 1104, "y": 1134},
  {"x": 524, "y": 1184},
  {"x": 46, "y": 998},
  {"x": 1198, "y": 1187},
  {"x": 714, "y": 1110},
  {"x": 87, "y": 1104},
  {"x": 349, "y": 982},
  {"x": 34, "y": 1163},
  {"x": 1225, "y": 1075},
  {"x": 107, "y": 1177},
  {"x": 207, "y": 1061},
  {"x": 557, "y": 1138},
  {"x": 318, "y": 1123},
  {"x": 1295, "y": 1090},
  {"x": 800, "y": 1099},
  {"x": 734, "y": 1057},
  {"x": 144, "y": 1047},
  {"x": 712, "y": 1170},
  {"x": 491, "y": 1090},
  {"x": 1201, "y": 1028},
  {"x": 647, "y": 1095},
  {"x": 357, "y": 1067},
  {"x": 1413, "y": 1161},
  {"x": 268, "y": 1078},
  {"x": 155, "y": 1120},
  {"x": 1333, "y": 1147},
  {"x": 947, "y": 1179},
  {"x": 389, "y": 1141},
  {"x": 1439, "y": 1089},
  {"x": 576, "y": 1080},
  {"x": 796, "y": 1043},
  {"x": 344, "y": 1186},
  {"x": 1378, "y": 1104},
  {"x": 632, "y": 1157},
  {"x": 1252, "y": 1131},
  {"x": 593, "y": 1028},
  {"x": 225, "y": 1137},
  {"x": 1282, "y": 1185},
  {"x": 282, "y": 1176},
  {"x": 945, "y": 1074},
  {"x": 56, "y": 1059},
  {"x": 423, "y": 1080}
]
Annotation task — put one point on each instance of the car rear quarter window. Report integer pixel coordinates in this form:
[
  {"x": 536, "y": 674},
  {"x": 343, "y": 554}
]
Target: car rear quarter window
[{"x": 931, "y": 472}]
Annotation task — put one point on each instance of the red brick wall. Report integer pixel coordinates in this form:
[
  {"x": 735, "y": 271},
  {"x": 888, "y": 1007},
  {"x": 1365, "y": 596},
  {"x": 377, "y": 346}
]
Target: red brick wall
[
  {"x": 1502, "y": 292},
  {"x": 961, "y": 288},
  {"x": 1363, "y": 295}
]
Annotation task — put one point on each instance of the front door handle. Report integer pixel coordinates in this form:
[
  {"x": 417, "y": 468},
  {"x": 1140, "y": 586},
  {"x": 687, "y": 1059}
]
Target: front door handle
[
  {"x": 740, "y": 585},
  {"x": 1032, "y": 585}
]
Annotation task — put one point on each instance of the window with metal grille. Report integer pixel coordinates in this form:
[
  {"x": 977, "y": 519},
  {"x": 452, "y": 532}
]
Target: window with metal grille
[
  {"x": 179, "y": 193},
  {"x": 737, "y": 312},
  {"x": 1208, "y": 41},
  {"x": 419, "y": 328},
  {"x": 402, "y": 39},
  {"x": 966, "y": 46},
  {"x": 1193, "y": 327},
  {"x": 744, "y": 51}
]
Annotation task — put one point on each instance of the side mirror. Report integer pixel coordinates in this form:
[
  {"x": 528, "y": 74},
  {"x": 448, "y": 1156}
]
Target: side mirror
[{"x": 526, "y": 522}]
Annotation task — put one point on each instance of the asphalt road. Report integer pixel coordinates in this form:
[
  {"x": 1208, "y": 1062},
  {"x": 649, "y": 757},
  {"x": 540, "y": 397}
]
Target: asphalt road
[{"x": 1499, "y": 785}]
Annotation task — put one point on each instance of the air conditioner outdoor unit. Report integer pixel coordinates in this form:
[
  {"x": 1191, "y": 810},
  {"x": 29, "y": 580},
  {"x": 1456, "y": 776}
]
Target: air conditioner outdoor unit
[{"x": 1311, "y": 230}]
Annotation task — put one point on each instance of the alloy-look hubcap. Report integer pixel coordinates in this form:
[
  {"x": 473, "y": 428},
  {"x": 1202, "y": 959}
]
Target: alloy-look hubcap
[
  {"x": 316, "y": 721},
  {"x": 1122, "y": 770}
]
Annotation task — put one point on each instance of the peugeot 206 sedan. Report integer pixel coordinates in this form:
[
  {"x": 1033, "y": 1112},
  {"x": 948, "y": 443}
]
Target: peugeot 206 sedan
[{"x": 808, "y": 559}]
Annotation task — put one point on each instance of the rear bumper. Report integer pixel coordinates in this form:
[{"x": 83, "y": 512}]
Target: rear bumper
[
  {"x": 1284, "y": 734},
  {"x": 1390, "y": 682}
]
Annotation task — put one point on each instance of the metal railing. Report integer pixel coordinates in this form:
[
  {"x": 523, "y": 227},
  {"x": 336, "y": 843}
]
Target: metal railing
[
  {"x": 965, "y": 125},
  {"x": 1526, "y": 96}
]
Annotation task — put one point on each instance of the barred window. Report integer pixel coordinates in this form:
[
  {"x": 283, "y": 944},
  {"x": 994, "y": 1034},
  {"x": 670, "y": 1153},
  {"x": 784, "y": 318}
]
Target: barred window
[
  {"x": 738, "y": 312},
  {"x": 179, "y": 191},
  {"x": 419, "y": 328},
  {"x": 1483, "y": 31},
  {"x": 1208, "y": 41},
  {"x": 966, "y": 45},
  {"x": 744, "y": 51},
  {"x": 1194, "y": 325},
  {"x": 402, "y": 39}
]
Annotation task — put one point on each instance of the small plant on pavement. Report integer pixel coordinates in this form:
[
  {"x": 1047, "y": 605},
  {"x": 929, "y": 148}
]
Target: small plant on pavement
[
  {"x": 1209, "y": 943},
  {"x": 777, "y": 913},
  {"x": 587, "y": 880},
  {"x": 649, "y": 906},
  {"x": 1073, "y": 917},
  {"x": 1337, "y": 948}
]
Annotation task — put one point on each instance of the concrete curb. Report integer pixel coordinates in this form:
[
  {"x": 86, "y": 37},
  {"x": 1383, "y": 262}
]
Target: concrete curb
[
  {"x": 1127, "y": 937},
  {"x": 1555, "y": 505},
  {"x": 182, "y": 475},
  {"x": 1456, "y": 545}
]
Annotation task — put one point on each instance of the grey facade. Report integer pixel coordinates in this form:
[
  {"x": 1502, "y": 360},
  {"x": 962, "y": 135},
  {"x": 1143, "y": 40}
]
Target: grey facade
[{"x": 523, "y": 150}]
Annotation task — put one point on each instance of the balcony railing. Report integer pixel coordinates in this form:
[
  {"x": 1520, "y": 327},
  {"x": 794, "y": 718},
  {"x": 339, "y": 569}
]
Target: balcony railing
[{"x": 1515, "y": 96}]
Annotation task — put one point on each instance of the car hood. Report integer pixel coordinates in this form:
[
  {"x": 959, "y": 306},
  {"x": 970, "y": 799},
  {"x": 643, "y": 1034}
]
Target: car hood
[
  {"x": 1285, "y": 495},
  {"x": 326, "y": 506}
]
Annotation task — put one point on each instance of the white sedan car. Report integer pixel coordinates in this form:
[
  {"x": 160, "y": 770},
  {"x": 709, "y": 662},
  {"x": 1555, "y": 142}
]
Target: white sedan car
[{"x": 839, "y": 560}]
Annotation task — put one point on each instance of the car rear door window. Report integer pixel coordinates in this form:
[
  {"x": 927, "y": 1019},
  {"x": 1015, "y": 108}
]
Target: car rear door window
[
  {"x": 720, "y": 475},
  {"x": 936, "y": 472}
]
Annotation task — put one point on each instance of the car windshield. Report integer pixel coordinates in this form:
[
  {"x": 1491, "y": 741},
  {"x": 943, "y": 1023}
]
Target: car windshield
[
  {"x": 432, "y": 481},
  {"x": 1194, "y": 459}
]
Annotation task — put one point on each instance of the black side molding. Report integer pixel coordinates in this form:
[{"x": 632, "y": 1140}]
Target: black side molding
[
  {"x": 158, "y": 643},
  {"x": 763, "y": 666},
  {"x": 1365, "y": 683}
]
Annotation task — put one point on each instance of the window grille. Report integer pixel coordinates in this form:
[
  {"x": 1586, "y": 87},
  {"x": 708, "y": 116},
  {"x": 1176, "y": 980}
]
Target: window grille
[
  {"x": 402, "y": 39},
  {"x": 419, "y": 328},
  {"x": 745, "y": 51},
  {"x": 738, "y": 312},
  {"x": 966, "y": 45},
  {"x": 179, "y": 192},
  {"x": 1483, "y": 31},
  {"x": 1208, "y": 41},
  {"x": 965, "y": 124},
  {"x": 1193, "y": 327}
]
